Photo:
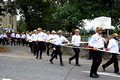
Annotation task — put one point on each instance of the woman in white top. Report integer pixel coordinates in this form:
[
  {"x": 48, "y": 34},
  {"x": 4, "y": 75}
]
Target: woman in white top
[{"x": 113, "y": 47}]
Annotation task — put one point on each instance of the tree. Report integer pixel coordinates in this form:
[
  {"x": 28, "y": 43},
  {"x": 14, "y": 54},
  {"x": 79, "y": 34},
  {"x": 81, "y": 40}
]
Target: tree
[
  {"x": 2, "y": 9},
  {"x": 21, "y": 25},
  {"x": 36, "y": 12}
]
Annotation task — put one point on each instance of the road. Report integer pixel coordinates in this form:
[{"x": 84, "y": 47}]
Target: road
[{"x": 19, "y": 64}]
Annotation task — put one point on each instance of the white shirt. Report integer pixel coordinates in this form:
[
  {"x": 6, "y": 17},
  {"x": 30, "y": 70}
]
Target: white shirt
[
  {"x": 5, "y": 35},
  {"x": 45, "y": 35},
  {"x": 59, "y": 40},
  {"x": 27, "y": 35},
  {"x": 113, "y": 45},
  {"x": 18, "y": 36},
  {"x": 41, "y": 36},
  {"x": 53, "y": 37},
  {"x": 23, "y": 36},
  {"x": 96, "y": 41},
  {"x": 76, "y": 39},
  {"x": 12, "y": 35},
  {"x": 1, "y": 35},
  {"x": 34, "y": 37},
  {"x": 29, "y": 39},
  {"x": 48, "y": 37}
]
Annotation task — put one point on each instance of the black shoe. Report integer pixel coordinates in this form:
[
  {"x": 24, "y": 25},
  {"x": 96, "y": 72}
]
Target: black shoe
[
  {"x": 69, "y": 61},
  {"x": 36, "y": 57},
  {"x": 61, "y": 64},
  {"x": 93, "y": 75},
  {"x": 78, "y": 65},
  {"x": 51, "y": 61},
  {"x": 103, "y": 68},
  {"x": 97, "y": 75},
  {"x": 40, "y": 58}
]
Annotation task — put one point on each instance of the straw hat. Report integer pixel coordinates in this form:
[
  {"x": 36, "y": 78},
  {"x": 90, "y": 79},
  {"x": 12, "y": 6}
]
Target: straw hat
[
  {"x": 59, "y": 31},
  {"x": 35, "y": 30},
  {"x": 53, "y": 31},
  {"x": 44, "y": 30},
  {"x": 48, "y": 31},
  {"x": 77, "y": 30},
  {"x": 39, "y": 29},
  {"x": 99, "y": 28},
  {"x": 115, "y": 35}
]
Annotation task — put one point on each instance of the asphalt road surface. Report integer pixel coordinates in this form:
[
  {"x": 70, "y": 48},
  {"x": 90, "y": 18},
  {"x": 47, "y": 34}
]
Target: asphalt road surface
[{"x": 19, "y": 64}]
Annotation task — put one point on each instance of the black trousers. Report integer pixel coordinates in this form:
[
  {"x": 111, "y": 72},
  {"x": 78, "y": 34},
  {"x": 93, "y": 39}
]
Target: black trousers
[
  {"x": 41, "y": 47},
  {"x": 23, "y": 41},
  {"x": 35, "y": 48},
  {"x": 0, "y": 41},
  {"x": 53, "y": 46},
  {"x": 31, "y": 46},
  {"x": 5, "y": 40},
  {"x": 18, "y": 41},
  {"x": 114, "y": 60},
  {"x": 44, "y": 46},
  {"x": 12, "y": 41},
  {"x": 96, "y": 61},
  {"x": 27, "y": 43},
  {"x": 57, "y": 52},
  {"x": 90, "y": 54},
  {"x": 76, "y": 56},
  {"x": 48, "y": 48}
]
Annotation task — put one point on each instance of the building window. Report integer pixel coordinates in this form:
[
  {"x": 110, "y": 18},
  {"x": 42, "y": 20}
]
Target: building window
[
  {"x": 0, "y": 19},
  {"x": 9, "y": 19}
]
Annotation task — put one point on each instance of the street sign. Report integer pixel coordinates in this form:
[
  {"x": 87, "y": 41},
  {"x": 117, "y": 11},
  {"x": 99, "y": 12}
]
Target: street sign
[{"x": 104, "y": 22}]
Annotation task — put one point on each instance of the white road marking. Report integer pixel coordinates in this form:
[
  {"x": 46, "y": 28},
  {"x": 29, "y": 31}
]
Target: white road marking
[
  {"x": 6, "y": 79},
  {"x": 105, "y": 73}
]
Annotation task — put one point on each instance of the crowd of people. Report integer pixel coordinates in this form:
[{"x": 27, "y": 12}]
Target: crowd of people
[{"x": 39, "y": 40}]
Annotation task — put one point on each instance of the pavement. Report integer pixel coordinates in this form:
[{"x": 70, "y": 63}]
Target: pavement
[{"x": 19, "y": 64}]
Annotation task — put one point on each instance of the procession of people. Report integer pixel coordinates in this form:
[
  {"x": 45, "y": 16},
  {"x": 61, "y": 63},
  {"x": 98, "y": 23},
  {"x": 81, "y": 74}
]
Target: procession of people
[{"x": 39, "y": 40}]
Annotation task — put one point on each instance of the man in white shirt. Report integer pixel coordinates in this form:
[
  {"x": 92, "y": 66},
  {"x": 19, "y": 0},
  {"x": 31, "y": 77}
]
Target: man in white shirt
[
  {"x": 58, "y": 41},
  {"x": 41, "y": 42},
  {"x": 97, "y": 43},
  {"x": 113, "y": 47},
  {"x": 13, "y": 38},
  {"x": 47, "y": 43},
  {"x": 5, "y": 38},
  {"x": 76, "y": 42},
  {"x": 34, "y": 38},
  {"x": 45, "y": 35},
  {"x": 30, "y": 42},
  {"x": 52, "y": 37},
  {"x": 18, "y": 38},
  {"x": 23, "y": 36},
  {"x": 27, "y": 35}
]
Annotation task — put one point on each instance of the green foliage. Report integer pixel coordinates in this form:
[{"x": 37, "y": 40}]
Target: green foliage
[
  {"x": 21, "y": 25},
  {"x": 63, "y": 14}
]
